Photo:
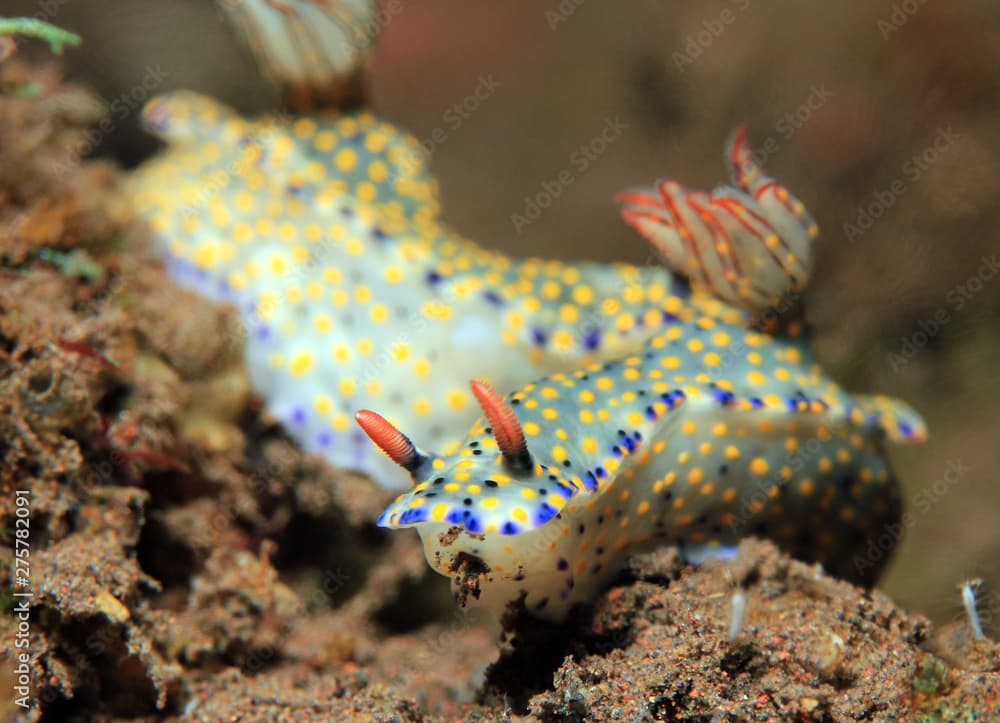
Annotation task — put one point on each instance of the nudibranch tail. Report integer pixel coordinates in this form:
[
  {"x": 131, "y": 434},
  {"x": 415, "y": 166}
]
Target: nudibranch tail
[
  {"x": 899, "y": 422},
  {"x": 185, "y": 117},
  {"x": 750, "y": 245}
]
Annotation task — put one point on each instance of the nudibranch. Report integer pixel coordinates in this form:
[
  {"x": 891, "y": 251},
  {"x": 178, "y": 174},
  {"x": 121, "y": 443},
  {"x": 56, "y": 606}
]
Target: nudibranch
[
  {"x": 325, "y": 231},
  {"x": 714, "y": 430}
]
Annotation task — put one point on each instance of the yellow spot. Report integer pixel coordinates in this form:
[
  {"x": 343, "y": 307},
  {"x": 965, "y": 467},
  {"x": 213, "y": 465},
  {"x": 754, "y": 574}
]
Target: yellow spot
[
  {"x": 457, "y": 399},
  {"x": 301, "y": 363},
  {"x": 759, "y": 466},
  {"x": 712, "y": 359},
  {"x": 346, "y": 159},
  {"x": 323, "y": 323},
  {"x": 380, "y": 313},
  {"x": 347, "y": 387},
  {"x": 422, "y": 406},
  {"x": 421, "y": 367},
  {"x": 732, "y": 452},
  {"x": 531, "y": 429},
  {"x": 583, "y": 294}
]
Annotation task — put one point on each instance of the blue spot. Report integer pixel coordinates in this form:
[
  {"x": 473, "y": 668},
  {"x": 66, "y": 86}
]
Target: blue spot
[
  {"x": 418, "y": 514},
  {"x": 379, "y": 234},
  {"x": 756, "y": 402},
  {"x": 669, "y": 318},
  {"x": 906, "y": 429},
  {"x": 545, "y": 513},
  {"x": 297, "y": 190},
  {"x": 589, "y": 481},
  {"x": 564, "y": 490},
  {"x": 324, "y": 439},
  {"x": 592, "y": 339},
  {"x": 433, "y": 277},
  {"x": 455, "y": 517},
  {"x": 472, "y": 524},
  {"x": 616, "y": 451},
  {"x": 263, "y": 332},
  {"x": 508, "y": 528},
  {"x": 493, "y": 298},
  {"x": 298, "y": 416},
  {"x": 600, "y": 472},
  {"x": 650, "y": 413},
  {"x": 538, "y": 336},
  {"x": 724, "y": 397},
  {"x": 629, "y": 444}
]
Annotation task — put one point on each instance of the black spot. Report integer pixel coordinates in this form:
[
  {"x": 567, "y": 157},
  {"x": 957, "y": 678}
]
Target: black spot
[
  {"x": 439, "y": 481},
  {"x": 567, "y": 463},
  {"x": 580, "y": 529},
  {"x": 723, "y": 469},
  {"x": 473, "y": 444},
  {"x": 490, "y": 483},
  {"x": 477, "y": 452},
  {"x": 467, "y": 501},
  {"x": 562, "y": 564}
]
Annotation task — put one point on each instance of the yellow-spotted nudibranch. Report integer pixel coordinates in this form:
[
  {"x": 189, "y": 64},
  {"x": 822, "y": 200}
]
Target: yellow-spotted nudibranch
[
  {"x": 712, "y": 431},
  {"x": 325, "y": 230}
]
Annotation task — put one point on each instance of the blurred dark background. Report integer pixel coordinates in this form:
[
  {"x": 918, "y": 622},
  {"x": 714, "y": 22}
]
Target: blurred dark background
[{"x": 881, "y": 116}]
